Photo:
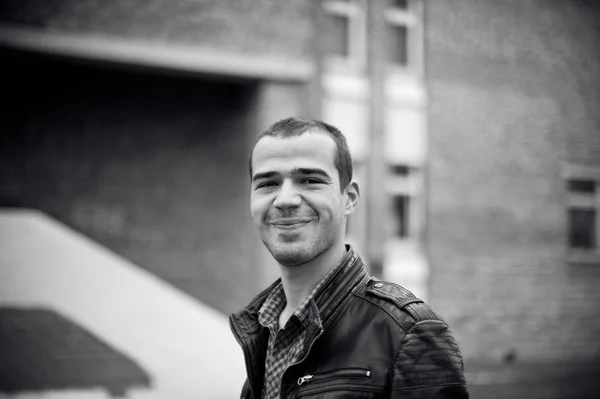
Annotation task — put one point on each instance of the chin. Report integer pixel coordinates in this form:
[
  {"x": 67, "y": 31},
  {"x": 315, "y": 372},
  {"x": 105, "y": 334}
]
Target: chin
[
  {"x": 296, "y": 253},
  {"x": 289, "y": 254},
  {"x": 291, "y": 257}
]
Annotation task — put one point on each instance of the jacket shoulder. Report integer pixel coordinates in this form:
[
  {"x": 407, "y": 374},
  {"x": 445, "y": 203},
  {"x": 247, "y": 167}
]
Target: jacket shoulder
[
  {"x": 428, "y": 362},
  {"x": 400, "y": 303}
]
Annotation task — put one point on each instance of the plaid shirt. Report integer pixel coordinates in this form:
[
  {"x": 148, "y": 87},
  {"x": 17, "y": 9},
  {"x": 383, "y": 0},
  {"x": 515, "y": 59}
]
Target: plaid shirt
[{"x": 285, "y": 345}]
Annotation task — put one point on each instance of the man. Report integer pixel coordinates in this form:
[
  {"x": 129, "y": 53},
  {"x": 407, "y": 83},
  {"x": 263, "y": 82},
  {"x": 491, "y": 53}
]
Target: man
[{"x": 327, "y": 329}]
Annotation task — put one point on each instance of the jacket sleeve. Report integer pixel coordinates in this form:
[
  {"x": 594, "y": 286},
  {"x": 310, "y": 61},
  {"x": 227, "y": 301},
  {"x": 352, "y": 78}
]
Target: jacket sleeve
[
  {"x": 246, "y": 390},
  {"x": 429, "y": 364}
]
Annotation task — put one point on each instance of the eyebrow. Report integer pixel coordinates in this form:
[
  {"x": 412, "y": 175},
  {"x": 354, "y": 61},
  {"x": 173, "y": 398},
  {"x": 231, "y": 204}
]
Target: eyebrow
[
  {"x": 311, "y": 171},
  {"x": 264, "y": 175}
]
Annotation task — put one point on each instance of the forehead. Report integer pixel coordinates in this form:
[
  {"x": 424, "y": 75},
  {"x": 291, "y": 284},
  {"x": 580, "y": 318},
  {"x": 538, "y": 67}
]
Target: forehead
[{"x": 307, "y": 150}]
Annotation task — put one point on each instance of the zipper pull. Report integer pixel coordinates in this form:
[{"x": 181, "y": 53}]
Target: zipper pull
[{"x": 304, "y": 379}]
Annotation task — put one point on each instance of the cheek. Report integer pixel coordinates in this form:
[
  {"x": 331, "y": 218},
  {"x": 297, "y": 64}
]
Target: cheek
[
  {"x": 335, "y": 204},
  {"x": 332, "y": 209},
  {"x": 259, "y": 206}
]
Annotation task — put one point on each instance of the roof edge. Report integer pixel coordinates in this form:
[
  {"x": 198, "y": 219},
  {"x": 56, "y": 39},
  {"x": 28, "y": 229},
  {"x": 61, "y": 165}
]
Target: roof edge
[{"x": 175, "y": 57}]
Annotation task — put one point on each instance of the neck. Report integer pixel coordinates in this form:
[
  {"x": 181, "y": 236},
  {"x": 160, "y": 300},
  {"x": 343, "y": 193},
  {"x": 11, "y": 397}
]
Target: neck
[{"x": 299, "y": 281}]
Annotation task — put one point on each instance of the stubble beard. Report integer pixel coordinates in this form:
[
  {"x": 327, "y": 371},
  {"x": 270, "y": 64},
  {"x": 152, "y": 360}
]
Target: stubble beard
[{"x": 293, "y": 254}]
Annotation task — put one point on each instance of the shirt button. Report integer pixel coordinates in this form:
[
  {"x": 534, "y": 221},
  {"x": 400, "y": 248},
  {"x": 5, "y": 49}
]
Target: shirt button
[{"x": 378, "y": 285}]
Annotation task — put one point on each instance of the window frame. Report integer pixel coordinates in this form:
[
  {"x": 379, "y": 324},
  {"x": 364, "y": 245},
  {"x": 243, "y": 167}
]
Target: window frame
[
  {"x": 582, "y": 201},
  {"x": 410, "y": 186},
  {"x": 412, "y": 19},
  {"x": 356, "y": 13}
]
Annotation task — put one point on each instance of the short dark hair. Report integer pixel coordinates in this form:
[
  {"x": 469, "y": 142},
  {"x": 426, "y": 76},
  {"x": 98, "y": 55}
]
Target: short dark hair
[{"x": 296, "y": 126}]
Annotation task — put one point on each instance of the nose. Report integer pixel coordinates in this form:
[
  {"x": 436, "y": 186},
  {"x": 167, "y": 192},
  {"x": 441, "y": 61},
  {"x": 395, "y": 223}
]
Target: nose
[{"x": 288, "y": 196}]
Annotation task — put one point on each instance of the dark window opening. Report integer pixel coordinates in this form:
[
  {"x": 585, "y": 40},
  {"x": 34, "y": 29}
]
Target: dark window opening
[
  {"x": 400, "y": 170},
  {"x": 401, "y": 4},
  {"x": 336, "y": 40},
  {"x": 582, "y": 229},
  {"x": 397, "y": 48},
  {"x": 582, "y": 186},
  {"x": 400, "y": 209}
]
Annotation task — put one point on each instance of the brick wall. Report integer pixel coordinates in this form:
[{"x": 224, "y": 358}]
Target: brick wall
[
  {"x": 152, "y": 166},
  {"x": 513, "y": 87},
  {"x": 281, "y": 27}
]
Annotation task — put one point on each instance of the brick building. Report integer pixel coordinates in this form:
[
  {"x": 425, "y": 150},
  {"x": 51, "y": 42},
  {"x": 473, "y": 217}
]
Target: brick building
[
  {"x": 514, "y": 164},
  {"x": 132, "y": 122}
]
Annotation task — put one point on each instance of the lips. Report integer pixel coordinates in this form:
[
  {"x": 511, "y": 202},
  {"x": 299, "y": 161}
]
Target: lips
[{"x": 289, "y": 223}]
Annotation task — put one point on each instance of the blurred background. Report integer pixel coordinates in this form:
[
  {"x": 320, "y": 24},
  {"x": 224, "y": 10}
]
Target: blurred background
[{"x": 125, "y": 233}]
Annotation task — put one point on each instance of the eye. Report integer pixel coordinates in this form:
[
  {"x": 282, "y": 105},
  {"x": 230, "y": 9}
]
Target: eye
[
  {"x": 266, "y": 184},
  {"x": 312, "y": 180}
]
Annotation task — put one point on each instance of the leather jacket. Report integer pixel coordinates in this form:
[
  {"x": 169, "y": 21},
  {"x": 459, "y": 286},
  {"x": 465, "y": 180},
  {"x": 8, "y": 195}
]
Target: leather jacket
[{"x": 382, "y": 342}]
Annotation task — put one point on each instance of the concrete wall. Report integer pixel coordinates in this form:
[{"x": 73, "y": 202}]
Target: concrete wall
[
  {"x": 281, "y": 27},
  {"x": 513, "y": 87},
  {"x": 151, "y": 163},
  {"x": 152, "y": 166}
]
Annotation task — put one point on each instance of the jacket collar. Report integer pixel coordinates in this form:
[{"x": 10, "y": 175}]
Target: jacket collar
[{"x": 332, "y": 293}]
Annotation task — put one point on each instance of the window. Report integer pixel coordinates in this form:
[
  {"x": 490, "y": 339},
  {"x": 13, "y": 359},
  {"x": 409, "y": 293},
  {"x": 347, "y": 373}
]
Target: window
[
  {"x": 397, "y": 45},
  {"x": 345, "y": 34},
  {"x": 582, "y": 229},
  {"x": 404, "y": 188},
  {"x": 400, "y": 215},
  {"x": 583, "y": 191},
  {"x": 404, "y": 259},
  {"x": 403, "y": 37},
  {"x": 400, "y": 4},
  {"x": 337, "y": 42}
]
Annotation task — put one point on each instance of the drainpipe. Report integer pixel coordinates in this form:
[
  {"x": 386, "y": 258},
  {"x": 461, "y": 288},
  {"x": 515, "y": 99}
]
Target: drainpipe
[{"x": 375, "y": 195}]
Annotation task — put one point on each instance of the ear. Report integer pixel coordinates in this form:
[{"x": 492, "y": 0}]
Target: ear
[{"x": 352, "y": 196}]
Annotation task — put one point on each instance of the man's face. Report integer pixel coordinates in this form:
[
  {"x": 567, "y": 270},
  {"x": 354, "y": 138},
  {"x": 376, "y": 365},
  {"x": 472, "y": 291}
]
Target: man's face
[{"x": 296, "y": 200}]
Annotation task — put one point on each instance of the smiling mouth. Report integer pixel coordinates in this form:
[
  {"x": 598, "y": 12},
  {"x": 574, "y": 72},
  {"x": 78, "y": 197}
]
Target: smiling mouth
[{"x": 291, "y": 224}]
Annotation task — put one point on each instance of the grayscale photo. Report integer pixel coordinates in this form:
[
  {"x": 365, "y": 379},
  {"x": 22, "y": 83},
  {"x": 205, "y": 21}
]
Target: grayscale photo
[{"x": 286, "y": 199}]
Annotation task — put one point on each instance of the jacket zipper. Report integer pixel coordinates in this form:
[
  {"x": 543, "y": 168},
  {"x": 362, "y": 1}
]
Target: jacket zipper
[
  {"x": 236, "y": 334},
  {"x": 310, "y": 345},
  {"x": 300, "y": 361},
  {"x": 331, "y": 375}
]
